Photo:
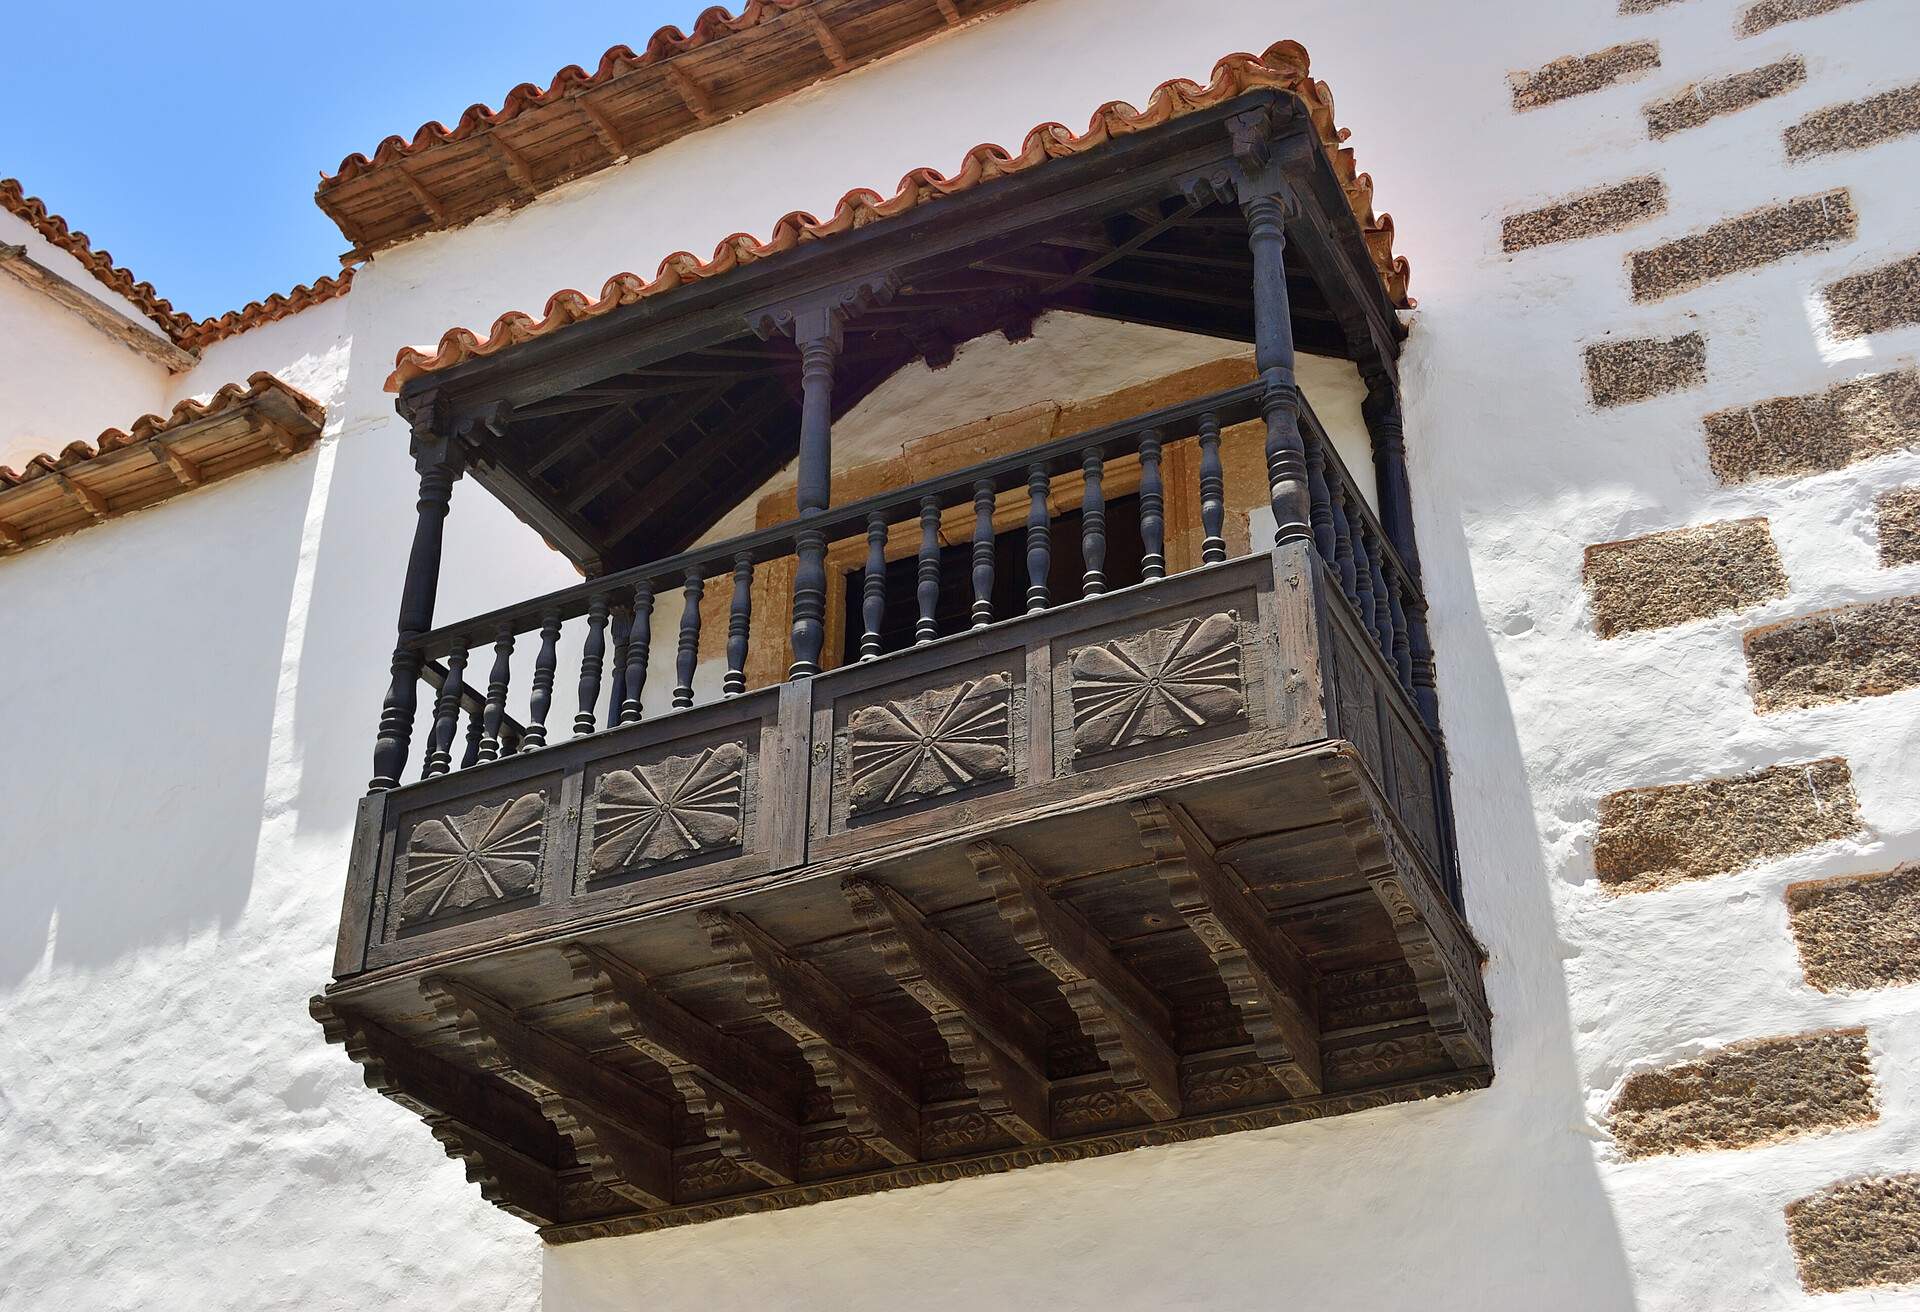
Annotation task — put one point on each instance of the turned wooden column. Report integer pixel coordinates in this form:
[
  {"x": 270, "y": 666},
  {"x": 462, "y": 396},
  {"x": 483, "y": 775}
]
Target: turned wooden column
[
  {"x": 1273, "y": 358},
  {"x": 1381, "y": 410},
  {"x": 440, "y": 462},
  {"x": 817, "y": 332}
]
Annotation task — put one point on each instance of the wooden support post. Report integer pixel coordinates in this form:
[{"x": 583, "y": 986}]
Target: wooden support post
[
  {"x": 873, "y": 1079},
  {"x": 1381, "y": 410},
  {"x": 619, "y": 1129},
  {"x": 819, "y": 336},
  {"x": 747, "y": 1103},
  {"x": 1268, "y": 981},
  {"x": 639, "y": 647},
  {"x": 999, "y": 1045},
  {"x": 440, "y": 461},
  {"x": 1126, "y": 1023}
]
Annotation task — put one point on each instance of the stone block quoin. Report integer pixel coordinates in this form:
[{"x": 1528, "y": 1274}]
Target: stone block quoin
[
  {"x": 1577, "y": 75},
  {"x": 1875, "y": 301},
  {"x": 1898, "y": 512},
  {"x": 1619, "y": 373},
  {"x": 1769, "y": 14},
  {"x": 1856, "y": 124},
  {"x": 1857, "y": 1234},
  {"x": 1785, "y": 435},
  {"x": 1858, "y": 931},
  {"x": 1702, "y": 102},
  {"x": 1668, "y": 578},
  {"x": 1747, "y": 241},
  {"x": 1655, "y": 837},
  {"x": 1586, "y": 214},
  {"x": 1746, "y": 1094},
  {"x": 1870, "y": 649}
]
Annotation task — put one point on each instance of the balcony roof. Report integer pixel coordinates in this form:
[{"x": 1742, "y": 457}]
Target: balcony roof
[{"x": 1283, "y": 66}]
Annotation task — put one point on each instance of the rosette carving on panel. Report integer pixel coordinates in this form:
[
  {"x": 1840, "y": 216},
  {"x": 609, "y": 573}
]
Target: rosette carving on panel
[
  {"x": 455, "y": 863},
  {"x": 682, "y": 806},
  {"x": 935, "y": 742},
  {"x": 1158, "y": 684}
]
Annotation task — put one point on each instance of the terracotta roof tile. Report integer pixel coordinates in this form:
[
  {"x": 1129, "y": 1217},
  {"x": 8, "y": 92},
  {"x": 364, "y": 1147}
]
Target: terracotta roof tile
[
  {"x": 633, "y": 102},
  {"x": 1284, "y": 65},
  {"x": 155, "y": 459},
  {"x": 54, "y": 229},
  {"x": 180, "y": 328}
]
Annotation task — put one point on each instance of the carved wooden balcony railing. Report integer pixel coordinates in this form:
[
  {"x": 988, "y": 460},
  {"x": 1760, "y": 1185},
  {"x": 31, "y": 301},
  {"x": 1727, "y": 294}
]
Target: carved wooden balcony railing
[{"x": 1139, "y": 865}]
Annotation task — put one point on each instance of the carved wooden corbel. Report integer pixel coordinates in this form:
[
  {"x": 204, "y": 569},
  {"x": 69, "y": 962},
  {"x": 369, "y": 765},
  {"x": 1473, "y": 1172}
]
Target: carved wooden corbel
[
  {"x": 999, "y": 1046},
  {"x": 746, "y": 1102},
  {"x": 872, "y": 1078},
  {"x": 1270, "y": 985},
  {"x": 1126, "y": 1023},
  {"x": 618, "y": 1128}
]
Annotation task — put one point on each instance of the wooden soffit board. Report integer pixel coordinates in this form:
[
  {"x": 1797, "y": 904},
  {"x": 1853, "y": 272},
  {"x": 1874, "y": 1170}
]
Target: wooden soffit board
[
  {"x": 161, "y": 456},
  {"x": 633, "y": 102}
]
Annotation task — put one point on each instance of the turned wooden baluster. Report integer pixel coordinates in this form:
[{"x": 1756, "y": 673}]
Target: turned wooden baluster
[
  {"x": 1153, "y": 510},
  {"x": 1382, "y": 618},
  {"x": 1093, "y": 524},
  {"x": 1213, "y": 493},
  {"x": 622, "y": 629},
  {"x": 1362, "y": 573},
  {"x": 688, "y": 655},
  {"x": 1420, "y": 659},
  {"x": 1343, "y": 545},
  {"x": 593, "y": 659},
  {"x": 470, "y": 757},
  {"x": 927, "y": 585},
  {"x": 1320, "y": 513},
  {"x": 982, "y": 554},
  {"x": 1039, "y": 538},
  {"x": 540, "y": 693},
  {"x": 639, "y": 649},
  {"x": 439, "y": 462},
  {"x": 496, "y": 708},
  {"x": 739, "y": 619},
  {"x": 1402, "y": 648},
  {"x": 873, "y": 587},
  {"x": 446, "y": 713}
]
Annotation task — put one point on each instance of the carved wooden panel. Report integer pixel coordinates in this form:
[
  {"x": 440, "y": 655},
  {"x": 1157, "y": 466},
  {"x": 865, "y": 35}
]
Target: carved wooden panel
[
  {"x": 938, "y": 741},
  {"x": 471, "y": 859},
  {"x": 1413, "y": 791},
  {"x": 673, "y": 808},
  {"x": 1358, "y": 701},
  {"x": 1162, "y": 683}
]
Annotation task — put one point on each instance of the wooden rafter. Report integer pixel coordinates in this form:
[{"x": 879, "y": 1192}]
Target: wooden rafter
[
  {"x": 872, "y": 1078},
  {"x": 661, "y": 491},
  {"x": 999, "y": 1046},
  {"x": 603, "y": 126},
  {"x": 667, "y": 425},
  {"x": 512, "y": 161},
  {"x": 428, "y": 201},
  {"x": 1126, "y": 1023},
  {"x": 823, "y": 33},
  {"x": 696, "y": 97}
]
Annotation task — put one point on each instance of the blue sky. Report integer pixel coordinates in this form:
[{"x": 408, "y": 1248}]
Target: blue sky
[{"x": 187, "y": 139}]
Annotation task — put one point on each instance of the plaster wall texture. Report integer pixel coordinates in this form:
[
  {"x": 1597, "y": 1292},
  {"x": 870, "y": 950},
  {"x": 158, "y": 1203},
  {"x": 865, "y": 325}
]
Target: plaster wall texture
[
  {"x": 178, "y": 1135},
  {"x": 63, "y": 379}
]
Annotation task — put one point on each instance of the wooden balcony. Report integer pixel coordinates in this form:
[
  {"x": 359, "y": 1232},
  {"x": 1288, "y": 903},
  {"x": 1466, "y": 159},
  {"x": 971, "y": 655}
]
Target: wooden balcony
[{"x": 1161, "y": 863}]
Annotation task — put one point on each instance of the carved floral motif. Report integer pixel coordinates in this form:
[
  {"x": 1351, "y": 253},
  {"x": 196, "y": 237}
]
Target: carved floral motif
[
  {"x": 672, "y": 808},
  {"x": 935, "y": 742},
  {"x": 490, "y": 854},
  {"x": 1158, "y": 684}
]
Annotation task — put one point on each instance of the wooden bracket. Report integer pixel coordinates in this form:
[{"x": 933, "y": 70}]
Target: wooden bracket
[
  {"x": 518, "y": 1176},
  {"x": 1271, "y": 986},
  {"x": 602, "y": 125},
  {"x": 948, "y": 12},
  {"x": 1126, "y": 1023},
  {"x": 823, "y": 314},
  {"x": 696, "y": 97},
  {"x": 873, "y": 1080},
  {"x": 748, "y": 1103},
  {"x": 185, "y": 470},
  {"x": 515, "y": 164},
  {"x": 829, "y": 43},
  {"x": 618, "y": 1128},
  {"x": 428, "y": 201},
  {"x": 93, "y": 503},
  {"x": 999, "y": 1046}
]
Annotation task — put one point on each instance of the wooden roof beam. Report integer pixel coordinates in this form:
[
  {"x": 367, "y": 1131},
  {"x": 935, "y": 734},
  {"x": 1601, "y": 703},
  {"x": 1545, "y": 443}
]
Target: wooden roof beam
[
  {"x": 637, "y": 450},
  {"x": 873, "y": 1080},
  {"x": 823, "y": 33},
  {"x": 1269, "y": 983},
  {"x": 662, "y": 490},
  {"x": 603, "y": 126},
  {"x": 747, "y": 1103},
  {"x": 1126, "y": 1023},
  {"x": 428, "y": 201},
  {"x": 696, "y": 97},
  {"x": 15, "y": 261},
  {"x": 948, "y": 12},
  {"x": 185, "y": 470},
  {"x": 518, "y": 170},
  {"x": 999, "y": 1045},
  {"x": 90, "y": 501},
  {"x": 618, "y": 1128}
]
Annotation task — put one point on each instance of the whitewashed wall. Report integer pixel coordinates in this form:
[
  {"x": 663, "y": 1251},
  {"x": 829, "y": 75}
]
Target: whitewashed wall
[{"x": 194, "y": 690}]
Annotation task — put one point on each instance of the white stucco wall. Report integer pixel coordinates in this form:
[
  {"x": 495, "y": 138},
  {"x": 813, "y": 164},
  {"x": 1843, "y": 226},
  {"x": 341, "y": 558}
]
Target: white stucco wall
[{"x": 195, "y": 688}]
